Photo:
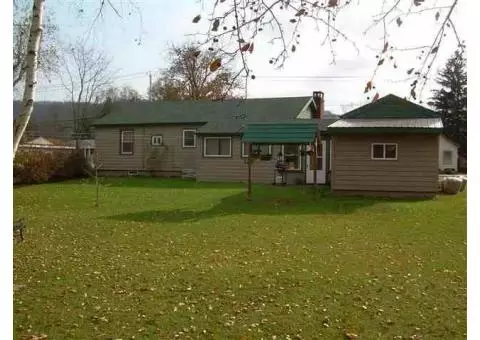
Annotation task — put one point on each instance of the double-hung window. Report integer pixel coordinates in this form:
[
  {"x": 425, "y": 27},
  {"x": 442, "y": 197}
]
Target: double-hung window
[
  {"x": 126, "y": 142},
  {"x": 217, "y": 147},
  {"x": 189, "y": 139},
  {"x": 384, "y": 151}
]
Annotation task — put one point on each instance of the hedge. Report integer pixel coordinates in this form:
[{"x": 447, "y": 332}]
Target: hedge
[{"x": 39, "y": 166}]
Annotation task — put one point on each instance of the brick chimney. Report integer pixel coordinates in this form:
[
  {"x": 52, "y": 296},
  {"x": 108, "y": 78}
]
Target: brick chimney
[{"x": 319, "y": 105}]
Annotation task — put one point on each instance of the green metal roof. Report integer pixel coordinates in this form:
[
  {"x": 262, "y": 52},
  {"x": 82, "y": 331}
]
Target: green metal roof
[
  {"x": 203, "y": 111},
  {"x": 390, "y": 106},
  {"x": 288, "y": 132}
]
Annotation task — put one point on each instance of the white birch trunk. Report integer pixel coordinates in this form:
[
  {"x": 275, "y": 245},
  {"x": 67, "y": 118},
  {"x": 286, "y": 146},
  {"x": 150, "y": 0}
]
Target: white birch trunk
[{"x": 30, "y": 74}]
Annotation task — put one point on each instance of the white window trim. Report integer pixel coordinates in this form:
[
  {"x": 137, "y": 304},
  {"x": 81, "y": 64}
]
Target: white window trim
[
  {"x": 194, "y": 138},
  {"x": 384, "y": 151},
  {"x": 121, "y": 142},
  {"x": 216, "y": 156},
  {"x": 245, "y": 155},
  {"x": 154, "y": 137},
  {"x": 300, "y": 160}
]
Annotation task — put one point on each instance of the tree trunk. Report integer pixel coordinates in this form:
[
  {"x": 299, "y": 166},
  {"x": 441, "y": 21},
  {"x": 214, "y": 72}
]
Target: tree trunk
[{"x": 30, "y": 74}]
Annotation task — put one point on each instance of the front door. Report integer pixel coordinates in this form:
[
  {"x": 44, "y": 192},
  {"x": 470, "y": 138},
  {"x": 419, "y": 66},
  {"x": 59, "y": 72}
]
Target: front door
[{"x": 321, "y": 164}]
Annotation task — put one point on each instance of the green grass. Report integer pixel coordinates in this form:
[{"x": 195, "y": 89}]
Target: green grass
[{"x": 161, "y": 259}]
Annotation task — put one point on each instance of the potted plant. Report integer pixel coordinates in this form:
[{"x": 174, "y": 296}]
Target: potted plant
[{"x": 267, "y": 157}]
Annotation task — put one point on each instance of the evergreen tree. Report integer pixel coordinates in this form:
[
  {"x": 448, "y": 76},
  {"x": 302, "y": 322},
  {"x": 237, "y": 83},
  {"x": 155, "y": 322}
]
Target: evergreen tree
[{"x": 451, "y": 100}]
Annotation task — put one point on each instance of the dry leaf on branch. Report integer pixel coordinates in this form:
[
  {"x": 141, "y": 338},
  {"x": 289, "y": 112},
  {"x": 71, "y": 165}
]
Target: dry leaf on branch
[
  {"x": 215, "y": 25},
  {"x": 332, "y": 3},
  {"x": 385, "y": 47},
  {"x": 215, "y": 65},
  {"x": 196, "y": 19},
  {"x": 245, "y": 47},
  {"x": 368, "y": 87}
]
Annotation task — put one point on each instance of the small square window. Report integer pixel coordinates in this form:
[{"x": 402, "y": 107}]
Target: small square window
[{"x": 157, "y": 140}]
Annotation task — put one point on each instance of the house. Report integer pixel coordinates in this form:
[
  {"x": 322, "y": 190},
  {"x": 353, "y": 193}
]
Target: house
[
  {"x": 168, "y": 138},
  {"x": 448, "y": 154},
  {"x": 45, "y": 144},
  {"x": 50, "y": 144},
  {"x": 389, "y": 147}
]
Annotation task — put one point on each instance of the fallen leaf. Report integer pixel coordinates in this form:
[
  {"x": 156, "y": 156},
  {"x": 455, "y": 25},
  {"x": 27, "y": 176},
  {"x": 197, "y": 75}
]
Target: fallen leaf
[
  {"x": 399, "y": 22},
  {"x": 410, "y": 71},
  {"x": 437, "y": 15},
  {"x": 434, "y": 50},
  {"x": 380, "y": 62}
]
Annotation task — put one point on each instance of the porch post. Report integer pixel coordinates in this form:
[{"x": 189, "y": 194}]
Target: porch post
[{"x": 249, "y": 164}]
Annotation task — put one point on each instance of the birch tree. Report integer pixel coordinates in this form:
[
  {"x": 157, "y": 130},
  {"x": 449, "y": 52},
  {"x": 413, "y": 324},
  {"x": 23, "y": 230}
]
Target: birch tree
[
  {"x": 47, "y": 55},
  {"x": 31, "y": 66}
]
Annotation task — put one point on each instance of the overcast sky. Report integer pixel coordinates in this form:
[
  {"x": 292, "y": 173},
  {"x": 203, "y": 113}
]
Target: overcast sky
[{"x": 159, "y": 22}]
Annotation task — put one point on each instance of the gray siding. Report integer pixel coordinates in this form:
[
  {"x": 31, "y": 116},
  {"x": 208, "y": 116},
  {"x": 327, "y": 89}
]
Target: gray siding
[
  {"x": 414, "y": 171},
  {"x": 171, "y": 157},
  {"x": 234, "y": 168}
]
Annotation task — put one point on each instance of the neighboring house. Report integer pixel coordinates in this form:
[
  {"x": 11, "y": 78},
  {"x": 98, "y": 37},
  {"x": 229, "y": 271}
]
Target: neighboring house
[
  {"x": 50, "y": 144},
  {"x": 388, "y": 147},
  {"x": 448, "y": 154},
  {"x": 45, "y": 144},
  {"x": 168, "y": 138}
]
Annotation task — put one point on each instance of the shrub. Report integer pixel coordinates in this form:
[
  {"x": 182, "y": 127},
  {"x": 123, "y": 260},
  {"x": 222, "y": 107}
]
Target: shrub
[{"x": 38, "y": 166}]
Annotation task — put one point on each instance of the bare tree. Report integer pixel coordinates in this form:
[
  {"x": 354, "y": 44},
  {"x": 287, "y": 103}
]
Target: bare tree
[
  {"x": 234, "y": 26},
  {"x": 31, "y": 64},
  {"x": 86, "y": 73},
  {"x": 192, "y": 76},
  {"x": 47, "y": 55}
]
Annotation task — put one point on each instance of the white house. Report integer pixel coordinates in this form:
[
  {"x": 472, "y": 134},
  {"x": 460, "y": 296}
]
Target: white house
[{"x": 448, "y": 154}]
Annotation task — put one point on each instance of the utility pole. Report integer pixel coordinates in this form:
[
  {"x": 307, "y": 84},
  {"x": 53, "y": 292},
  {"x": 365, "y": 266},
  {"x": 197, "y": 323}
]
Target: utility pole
[{"x": 150, "y": 86}]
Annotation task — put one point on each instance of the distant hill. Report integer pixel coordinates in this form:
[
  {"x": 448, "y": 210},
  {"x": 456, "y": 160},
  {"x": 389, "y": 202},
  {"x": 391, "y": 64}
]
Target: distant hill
[{"x": 50, "y": 119}]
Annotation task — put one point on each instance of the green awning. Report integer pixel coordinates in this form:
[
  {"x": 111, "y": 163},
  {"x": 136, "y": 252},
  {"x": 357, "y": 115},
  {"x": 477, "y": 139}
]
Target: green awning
[{"x": 291, "y": 132}]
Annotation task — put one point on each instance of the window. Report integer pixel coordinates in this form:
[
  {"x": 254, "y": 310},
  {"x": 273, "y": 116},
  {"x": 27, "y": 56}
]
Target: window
[
  {"x": 189, "y": 138},
  {"x": 157, "y": 140},
  {"x": 264, "y": 149},
  {"x": 384, "y": 151},
  {"x": 447, "y": 157},
  {"x": 126, "y": 142},
  {"x": 217, "y": 147},
  {"x": 291, "y": 155}
]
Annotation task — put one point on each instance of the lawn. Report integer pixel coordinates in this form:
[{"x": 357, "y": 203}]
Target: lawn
[{"x": 163, "y": 259}]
